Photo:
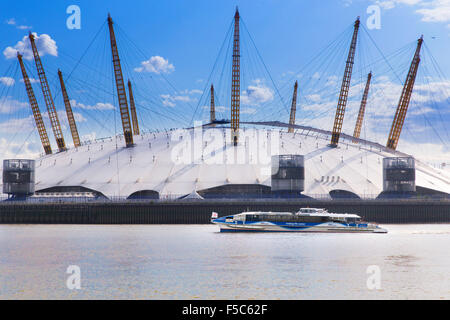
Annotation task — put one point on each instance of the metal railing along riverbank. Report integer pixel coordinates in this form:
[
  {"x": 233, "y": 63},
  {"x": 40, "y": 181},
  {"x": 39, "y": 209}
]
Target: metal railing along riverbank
[{"x": 182, "y": 198}]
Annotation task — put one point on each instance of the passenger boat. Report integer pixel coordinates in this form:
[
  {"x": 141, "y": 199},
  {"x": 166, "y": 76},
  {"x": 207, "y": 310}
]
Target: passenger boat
[{"x": 305, "y": 220}]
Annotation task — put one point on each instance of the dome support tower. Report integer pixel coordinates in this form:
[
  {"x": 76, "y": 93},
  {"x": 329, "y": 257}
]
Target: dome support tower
[
  {"x": 120, "y": 85},
  {"x": 293, "y": 109},
  {"x": 235, "y": 83},
  {"x": 70, "y": 117},
  {"x": 343, "y": 96},
  {"x": 362, "y": 109},
  {"x": 35, "y": 108},
  {"x": 403, "y": 104},
  {"x": 212, "y": 116},
  {"x": 133, "y": 110},
  {"x": 52, "y": 114}
]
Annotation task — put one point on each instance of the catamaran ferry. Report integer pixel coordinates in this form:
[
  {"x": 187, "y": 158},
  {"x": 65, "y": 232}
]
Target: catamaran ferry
[{"x": 305, "y": 220}]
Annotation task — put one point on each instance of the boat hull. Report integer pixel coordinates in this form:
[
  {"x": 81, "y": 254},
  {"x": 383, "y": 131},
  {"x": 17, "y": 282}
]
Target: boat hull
[{"x": 273, "y": 227}]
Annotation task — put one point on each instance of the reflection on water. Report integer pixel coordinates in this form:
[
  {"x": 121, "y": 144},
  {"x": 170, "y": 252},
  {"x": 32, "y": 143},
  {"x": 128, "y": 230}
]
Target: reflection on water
[
  {"x": 197, "y": 262},
  {"x": 402, "y": 260}
]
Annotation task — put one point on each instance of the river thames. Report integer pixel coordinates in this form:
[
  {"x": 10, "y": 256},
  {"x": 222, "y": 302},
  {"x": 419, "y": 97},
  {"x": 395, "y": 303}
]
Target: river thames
[{"x": 198, "y": 262}]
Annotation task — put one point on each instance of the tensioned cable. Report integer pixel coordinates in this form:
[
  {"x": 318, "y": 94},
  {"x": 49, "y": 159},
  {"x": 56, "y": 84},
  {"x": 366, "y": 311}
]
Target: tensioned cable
[
  {"x": 267, "y": 70},
  {"x": 146, "y": 56},
  {"x": 82, "y": 56},
  {"x": 214, "y": 66},
  {"x": 304, "y": 87}
]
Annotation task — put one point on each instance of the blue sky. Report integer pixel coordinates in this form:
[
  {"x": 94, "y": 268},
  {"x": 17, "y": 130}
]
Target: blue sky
[{"x": 180, "y": 42}]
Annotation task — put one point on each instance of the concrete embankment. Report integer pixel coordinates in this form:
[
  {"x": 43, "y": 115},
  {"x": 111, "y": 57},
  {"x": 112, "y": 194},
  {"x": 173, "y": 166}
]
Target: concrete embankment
[{"x": 199, "y": 212}]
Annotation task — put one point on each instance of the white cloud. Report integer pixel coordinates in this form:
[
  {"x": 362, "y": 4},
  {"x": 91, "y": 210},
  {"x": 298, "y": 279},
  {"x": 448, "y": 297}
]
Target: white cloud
[
  {"x": 64, "y": 122},
  {"x": 313, "y": 97},
  {"x": 167, "y": 101},
  {"x": 436, "y": 11},
  {"x": 256, "y": 94},
  {"x": 331, "y": 81},
  {"x": 27, "y": 150},
  {"x": 319, "y": 107},
  {"x": 428, "y": 104},
  {"x": 156, "y": 65},
  {"x": 170, "y": 101},
  {"x": 17, "y": 125},
  {"x": 7, "y": 81},
  {"x": 431, "y": 11},
  {"x": 12, "y": 22},
  {"x": 347, "y": 3},
  {"x": 23, "y": 27},
  {"x": 98, "y": 106},
  {"x": 220, "y": 108},
  {"x": 24, "y": 126},
  {"x": 8, "y": 105},
  {"x": 386, "y": 4},
  {"x": 248, "y": 111},
  {"x": 44, "y": 43},
  {"x": 89, "y": 137},
  {"x": 287, "y": 73},
  {"x": 389, "y": 4},
  {"x": 78, "y": 117},
  {"x": 32, "y": 80},
  {"x": 217, "y": 108},
  {"x": 428, "y": 152},
  {"x": 193, "y": 91}
]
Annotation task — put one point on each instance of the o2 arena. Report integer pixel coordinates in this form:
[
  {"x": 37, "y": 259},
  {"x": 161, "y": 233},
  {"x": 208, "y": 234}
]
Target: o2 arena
[
  {"x": 154, "y": 166},
  {"x": 222, "y": 159}
]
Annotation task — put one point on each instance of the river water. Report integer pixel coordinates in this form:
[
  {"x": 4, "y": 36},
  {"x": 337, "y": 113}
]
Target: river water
[{"x": 198, "y": 262}]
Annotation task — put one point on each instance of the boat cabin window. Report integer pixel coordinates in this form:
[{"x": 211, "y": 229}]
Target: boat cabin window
[
  {"x": 252, "y": 217},
  {"x": 285, "y": 218}
]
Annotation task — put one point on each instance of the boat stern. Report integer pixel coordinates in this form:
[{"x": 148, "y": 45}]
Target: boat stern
[{"x": 216, "y": 219}]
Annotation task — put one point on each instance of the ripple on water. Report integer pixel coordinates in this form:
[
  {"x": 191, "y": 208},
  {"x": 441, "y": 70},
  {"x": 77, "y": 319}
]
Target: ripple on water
[{"x": 196, "y": 262}]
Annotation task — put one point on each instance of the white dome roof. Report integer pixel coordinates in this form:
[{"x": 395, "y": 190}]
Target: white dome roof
[{"x": 154, "y": 163}]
